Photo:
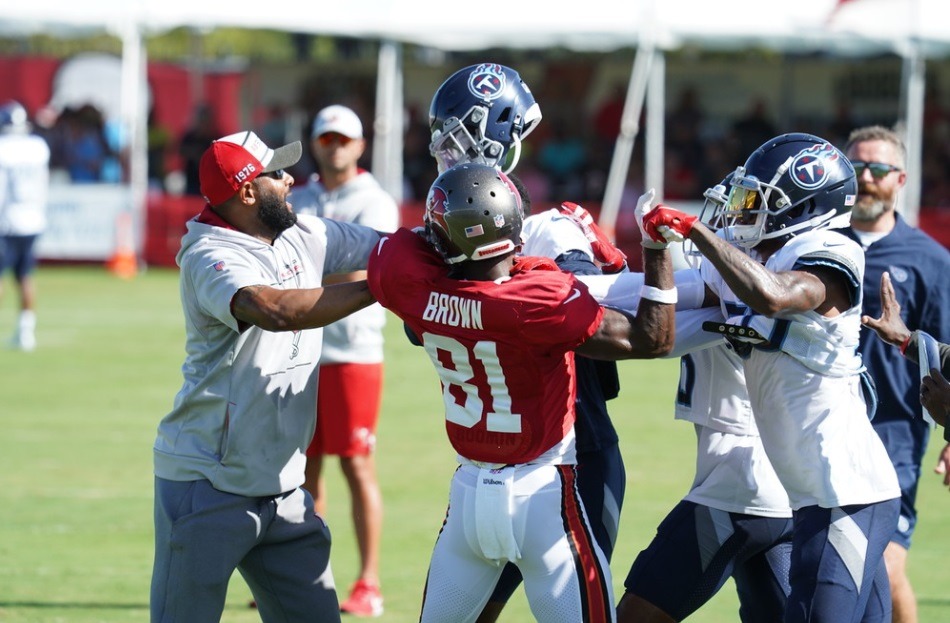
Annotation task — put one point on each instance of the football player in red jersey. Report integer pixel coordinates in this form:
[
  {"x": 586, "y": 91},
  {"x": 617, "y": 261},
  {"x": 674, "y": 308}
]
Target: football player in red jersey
[
  {"x": 482, "y": 113},
  {"x": 501, "y": 331}
]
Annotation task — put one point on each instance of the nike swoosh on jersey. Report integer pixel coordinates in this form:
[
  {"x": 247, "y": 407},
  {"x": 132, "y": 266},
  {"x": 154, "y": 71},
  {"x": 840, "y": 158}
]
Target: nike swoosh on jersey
[
  {"x": 833, "y": 244},
  {"x": 575, "y": 294},
  {"x": 382, "y": 241}
]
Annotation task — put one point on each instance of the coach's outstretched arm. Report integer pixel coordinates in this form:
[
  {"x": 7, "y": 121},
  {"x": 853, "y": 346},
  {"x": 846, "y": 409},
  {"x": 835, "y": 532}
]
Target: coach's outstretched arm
[{"x": 292, "y": 310}]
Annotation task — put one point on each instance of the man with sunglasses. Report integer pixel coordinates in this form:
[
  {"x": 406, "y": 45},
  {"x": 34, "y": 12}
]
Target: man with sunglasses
[
  {"x": 351, "y": 364},
  {"x": 229, "y": 457},
  {"x": 918, "y": 266}
]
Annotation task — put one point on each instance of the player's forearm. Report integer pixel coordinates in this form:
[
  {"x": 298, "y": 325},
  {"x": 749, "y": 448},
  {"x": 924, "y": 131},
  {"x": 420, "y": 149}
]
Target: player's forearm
[
  {"x": 655, "y": 324},
  {"x": 768, "y": 293},
  {"x": 292, "y": 310}
]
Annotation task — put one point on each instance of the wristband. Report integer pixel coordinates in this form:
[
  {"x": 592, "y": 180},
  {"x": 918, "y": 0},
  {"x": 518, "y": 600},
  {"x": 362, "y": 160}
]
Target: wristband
[
  {"x": 905, "y": 344},
  {"x": 650, "y": 293}
]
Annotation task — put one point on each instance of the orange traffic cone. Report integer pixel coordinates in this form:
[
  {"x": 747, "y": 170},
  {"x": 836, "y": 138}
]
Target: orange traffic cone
[{"x": 123, "y": 262}]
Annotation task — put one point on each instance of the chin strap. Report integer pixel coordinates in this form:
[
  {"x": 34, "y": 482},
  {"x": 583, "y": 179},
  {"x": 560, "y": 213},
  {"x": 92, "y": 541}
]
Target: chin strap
[{"x": 515, "y": 152}]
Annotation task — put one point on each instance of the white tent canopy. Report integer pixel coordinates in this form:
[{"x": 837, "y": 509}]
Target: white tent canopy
[
  {"x": 912, "y": 28},
  {"x": 838, "y": 25}
]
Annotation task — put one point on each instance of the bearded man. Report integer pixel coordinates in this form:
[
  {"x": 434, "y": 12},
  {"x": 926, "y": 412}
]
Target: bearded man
[{"x": 918, "y": 267}]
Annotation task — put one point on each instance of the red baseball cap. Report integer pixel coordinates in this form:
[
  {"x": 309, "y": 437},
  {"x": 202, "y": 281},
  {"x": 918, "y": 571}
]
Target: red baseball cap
[{"x": 239, "y": 158}]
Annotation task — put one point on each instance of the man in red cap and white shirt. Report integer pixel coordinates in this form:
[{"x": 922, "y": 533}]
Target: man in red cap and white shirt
[
  {"x": 229, "y": 457},
  {"x": 351, "y": 364}
]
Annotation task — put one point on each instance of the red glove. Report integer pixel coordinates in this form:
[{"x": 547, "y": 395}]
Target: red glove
[
  {"x": 610, "y": 257},
  {"x": 664, "y": 224},
  {"x": 524, "y": 263}
]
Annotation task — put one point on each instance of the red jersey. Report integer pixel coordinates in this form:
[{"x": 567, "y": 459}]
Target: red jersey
[{"x": 503, "y": 351}]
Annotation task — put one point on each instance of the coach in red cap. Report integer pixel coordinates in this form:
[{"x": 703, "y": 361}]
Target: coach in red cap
[{"x": 229, "y": 457}]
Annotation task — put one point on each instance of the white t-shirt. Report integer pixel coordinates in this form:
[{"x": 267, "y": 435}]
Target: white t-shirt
[{"x": 24, "y": 184}]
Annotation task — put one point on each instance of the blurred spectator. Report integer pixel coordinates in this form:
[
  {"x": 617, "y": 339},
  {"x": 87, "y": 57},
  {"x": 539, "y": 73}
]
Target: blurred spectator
[
  {"x": 684, "y": 125},
  {"x": 115, "y": 162},
  {"x": 680, "y": 179},
  {"x": 417, "y": 163},
  {"x": 284, "y": 123},
  {"x": 194, "y": 142},
  {"x": 159, "y": 142},
  {"x": 840, "y": 126},
  {"x": 275, "y": 128},
  {"x": 935, "y": 161},
  {"x": 535, "y": 181},
  {"x": 754, "y": 128},
  {"x": 609, "y": 114},
  {"x": 81, "y": 147},
  {"x": 718, "y": 161},
  {"x": 563, "y": 158}
]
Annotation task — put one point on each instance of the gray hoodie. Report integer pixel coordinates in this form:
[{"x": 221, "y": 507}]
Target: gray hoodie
[{"x": 245, "y": 413}]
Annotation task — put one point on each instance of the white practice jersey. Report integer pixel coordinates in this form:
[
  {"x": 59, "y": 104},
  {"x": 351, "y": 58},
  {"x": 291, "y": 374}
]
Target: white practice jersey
[
  {"x": 733, "y": 474},
  {"x": 826, "y": 345},
  {"x": 552, "y": 234},
  {"x": 805, "y": 390},
  {"x": 24, "y": 184}
]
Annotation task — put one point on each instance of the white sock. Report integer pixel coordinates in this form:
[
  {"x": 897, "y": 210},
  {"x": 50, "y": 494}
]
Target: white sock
[{"x": 27, "y": 323}]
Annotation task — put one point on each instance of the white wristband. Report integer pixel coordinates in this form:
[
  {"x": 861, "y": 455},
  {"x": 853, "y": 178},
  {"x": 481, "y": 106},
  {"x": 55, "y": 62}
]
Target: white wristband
[{"x": 650, "y": 293}]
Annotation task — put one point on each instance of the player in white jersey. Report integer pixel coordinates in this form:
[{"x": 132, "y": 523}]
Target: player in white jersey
[
  {"x": 24, "y": 187},
  {"x": 735, "y": 520},
  {"x": 798, "y": 339}
]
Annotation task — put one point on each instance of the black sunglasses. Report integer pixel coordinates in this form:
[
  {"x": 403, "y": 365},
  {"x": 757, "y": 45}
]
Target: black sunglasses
[
  {"x": 277, "y": 175},
  {"x": 879, "y": 170}
]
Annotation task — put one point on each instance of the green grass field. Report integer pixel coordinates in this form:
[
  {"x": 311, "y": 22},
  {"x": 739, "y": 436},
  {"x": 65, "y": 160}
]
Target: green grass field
[{"x": 79, "y": 417}]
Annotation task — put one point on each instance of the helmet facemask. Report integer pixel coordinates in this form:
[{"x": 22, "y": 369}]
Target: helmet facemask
[
  {"x": 745, "y": 213},
  {"x": 711, "y": 216},
  {"x": 750, "y": 214},
  {"x": 463, "y": 140}
]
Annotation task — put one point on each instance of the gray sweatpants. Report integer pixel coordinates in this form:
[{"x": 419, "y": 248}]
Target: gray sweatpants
[{"x": 281, "y": 548}]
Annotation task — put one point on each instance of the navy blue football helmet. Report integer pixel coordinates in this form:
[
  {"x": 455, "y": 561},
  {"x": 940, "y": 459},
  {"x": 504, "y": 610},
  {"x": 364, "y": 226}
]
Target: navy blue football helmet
[
  {"x": 793, "y": 183},
  {"x": 13, "y": 117},
  {"x": 473, "y": 212},
  {"x": 480, "y": 114}
]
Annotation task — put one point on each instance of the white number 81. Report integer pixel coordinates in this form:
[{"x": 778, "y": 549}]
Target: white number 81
[{"x": 500, "y": 419}]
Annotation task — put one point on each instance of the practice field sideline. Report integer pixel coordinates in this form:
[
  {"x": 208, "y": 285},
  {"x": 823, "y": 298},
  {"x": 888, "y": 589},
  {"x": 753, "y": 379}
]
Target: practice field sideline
[{"x": 79, "y": 417}]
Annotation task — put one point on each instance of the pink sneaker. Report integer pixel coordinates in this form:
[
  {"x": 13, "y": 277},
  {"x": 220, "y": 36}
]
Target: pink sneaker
[{"x": 365, "y": 600}]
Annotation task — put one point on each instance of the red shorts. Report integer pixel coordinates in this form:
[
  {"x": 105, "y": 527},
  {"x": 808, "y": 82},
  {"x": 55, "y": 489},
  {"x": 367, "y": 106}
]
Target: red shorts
[{"x": 348, "y": 402}]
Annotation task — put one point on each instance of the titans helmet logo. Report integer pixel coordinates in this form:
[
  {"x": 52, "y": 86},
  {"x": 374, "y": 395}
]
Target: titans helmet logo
[
  {"x": 487, "y": 81},
  {"x": 811, "y": 167}
]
